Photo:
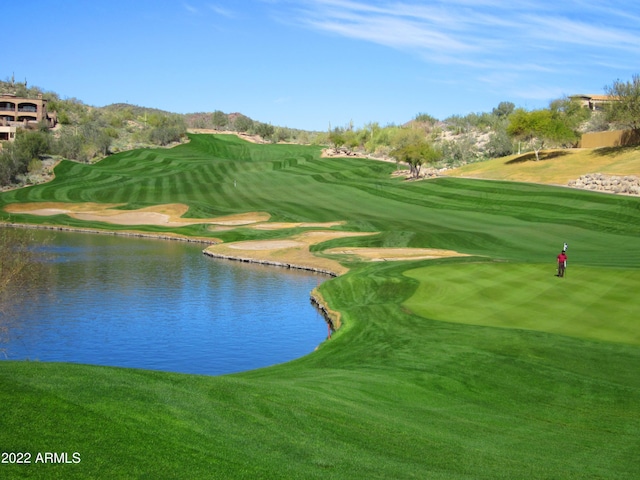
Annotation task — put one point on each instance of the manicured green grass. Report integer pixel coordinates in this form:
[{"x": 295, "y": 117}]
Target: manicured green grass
[
  {"x": 481, "y": 367},
  {"x": 593, "y": 303}
]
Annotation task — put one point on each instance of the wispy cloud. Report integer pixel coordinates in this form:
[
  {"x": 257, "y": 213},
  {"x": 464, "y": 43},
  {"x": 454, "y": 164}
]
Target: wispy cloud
[
  {"x": 224, "y": 12},
  {"x": 191, "y": 9},
  {"x": 478, "y": 32},
  {"x": 281, "y": 100}
]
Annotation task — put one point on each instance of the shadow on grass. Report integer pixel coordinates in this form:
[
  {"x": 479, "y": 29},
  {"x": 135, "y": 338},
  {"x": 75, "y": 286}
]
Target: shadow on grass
[
  {"x": 614, "y": 151},
  {"x": 531, "y": 156}
]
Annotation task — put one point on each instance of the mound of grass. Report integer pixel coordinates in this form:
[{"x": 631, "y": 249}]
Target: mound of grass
[
  {"x": 480, "y": 367},
  {"x": 556, "y": 166}
]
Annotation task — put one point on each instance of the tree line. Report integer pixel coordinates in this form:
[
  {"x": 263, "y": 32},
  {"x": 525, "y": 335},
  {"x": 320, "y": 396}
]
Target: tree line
[
  {"x": 88, "y": 133},
  {"x": 506, "y": 130}
]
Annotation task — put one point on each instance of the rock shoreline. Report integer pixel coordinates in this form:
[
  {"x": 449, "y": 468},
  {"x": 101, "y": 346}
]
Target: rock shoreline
[
  {"x": 270, "y": 262},
  {"x": 332, "y": 318},
  {"x": 156, "y": 236}
]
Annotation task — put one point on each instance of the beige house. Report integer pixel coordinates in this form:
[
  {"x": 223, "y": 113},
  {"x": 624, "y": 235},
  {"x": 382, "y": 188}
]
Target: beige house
[
  {"x": 594, "y": 102},
  {"x": 7, "y": 133},
  {"x": 22, "y": 112}
]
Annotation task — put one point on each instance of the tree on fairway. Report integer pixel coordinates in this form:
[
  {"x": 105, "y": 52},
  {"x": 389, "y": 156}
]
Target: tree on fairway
[
  {"x": 416, "y": 154},
  {"x": 539, "y": 127},
  {"x": 337, "y": 138},
  {"x": 625, "y": 111},
  {"x": 264, "y": 130}
]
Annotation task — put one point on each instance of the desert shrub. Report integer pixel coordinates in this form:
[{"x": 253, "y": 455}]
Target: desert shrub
[
  {"x": 499, "y": 145},
  {"x": 165, "y": 135},
  {"x": 35, "y": 165},
  {"x": 69, "y": 145}
]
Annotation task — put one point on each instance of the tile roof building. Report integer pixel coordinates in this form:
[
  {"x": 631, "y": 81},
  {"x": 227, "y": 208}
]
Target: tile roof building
[
  {"x": 594, "y": 102},
  {"x": 22, "y": 112}
]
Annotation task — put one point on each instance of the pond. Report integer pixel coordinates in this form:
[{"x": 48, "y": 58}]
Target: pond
[{"x": 161, "y": 305}]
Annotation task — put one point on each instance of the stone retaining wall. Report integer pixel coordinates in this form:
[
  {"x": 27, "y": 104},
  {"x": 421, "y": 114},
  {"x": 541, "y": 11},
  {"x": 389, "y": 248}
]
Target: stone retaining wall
[
  {"x": 269, "y": 262},
  {"x": 620, "y": 184}
]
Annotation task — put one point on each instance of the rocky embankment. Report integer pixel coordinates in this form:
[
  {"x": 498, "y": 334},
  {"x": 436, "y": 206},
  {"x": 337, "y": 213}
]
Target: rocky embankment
[{"x": 625, "y": 185}]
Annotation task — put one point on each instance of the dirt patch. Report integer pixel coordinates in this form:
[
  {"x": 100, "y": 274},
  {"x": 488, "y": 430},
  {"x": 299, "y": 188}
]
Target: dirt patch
[
  {"x": 169, "y": 215},
  {"x": 391, "y": 254}
]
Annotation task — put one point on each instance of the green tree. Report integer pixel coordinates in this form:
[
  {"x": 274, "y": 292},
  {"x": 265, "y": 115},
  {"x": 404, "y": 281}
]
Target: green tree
[
  {"x": 337, "y": 138},
  {"x": 416, "y": 155},
  {"x": 32, "y": 144},
  {"x": 539, "y": 127},
  {"x": 242, "y": 123},
  {"x": 571, "y": 110},
  {"x": 351, "y": 139},
  {"x": 219, "y": 120},
  {"x": 264, "y": 130},
  {"x": 625, "y": 110},
  {"x": 16, "y": 156},
  {"x": 504, "y": 109}
]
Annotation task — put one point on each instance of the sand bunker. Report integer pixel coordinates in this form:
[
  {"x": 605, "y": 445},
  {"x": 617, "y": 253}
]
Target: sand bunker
[
  {"x": 169, "y": 215},
  {"x": 293, "y": 251},
  {"x": 391, "y": 254},
  {"x": 285, "y": 225},
  {"x": 265, "y": 244}
]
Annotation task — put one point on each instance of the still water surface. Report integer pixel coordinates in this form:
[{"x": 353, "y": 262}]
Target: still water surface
[{"x": 162, "y": 305}]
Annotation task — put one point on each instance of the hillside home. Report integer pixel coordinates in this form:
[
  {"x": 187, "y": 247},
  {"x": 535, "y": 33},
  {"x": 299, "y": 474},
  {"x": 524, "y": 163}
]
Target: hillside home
[
  {"x": 22, "y": 112},
  {"x": 594, "y": 102},
  {"x": 7, "y": 133}
]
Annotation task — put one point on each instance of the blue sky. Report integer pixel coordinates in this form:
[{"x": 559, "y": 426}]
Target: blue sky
[{"x": 314, "y": 63}]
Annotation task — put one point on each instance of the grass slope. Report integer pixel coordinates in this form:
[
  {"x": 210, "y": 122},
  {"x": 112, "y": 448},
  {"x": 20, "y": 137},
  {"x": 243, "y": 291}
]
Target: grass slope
[
  {"x": 422, "y": 381},
  {"x": 556, "y": 166}
]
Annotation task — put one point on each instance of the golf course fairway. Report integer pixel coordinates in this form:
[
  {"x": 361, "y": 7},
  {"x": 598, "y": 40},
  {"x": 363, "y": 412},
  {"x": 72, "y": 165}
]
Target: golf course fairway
[{"x": 479, "y": 366}]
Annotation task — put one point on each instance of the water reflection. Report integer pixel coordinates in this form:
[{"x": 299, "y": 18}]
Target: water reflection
[{"x": 163, "y": 305}]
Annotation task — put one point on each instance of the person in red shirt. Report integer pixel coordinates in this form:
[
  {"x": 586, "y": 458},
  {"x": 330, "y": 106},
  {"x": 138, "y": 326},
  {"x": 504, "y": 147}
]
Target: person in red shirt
[{"x": 562, "y": 263}]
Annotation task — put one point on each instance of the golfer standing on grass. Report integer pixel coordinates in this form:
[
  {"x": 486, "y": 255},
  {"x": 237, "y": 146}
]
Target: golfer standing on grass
[{"x": 562, "y": 263}]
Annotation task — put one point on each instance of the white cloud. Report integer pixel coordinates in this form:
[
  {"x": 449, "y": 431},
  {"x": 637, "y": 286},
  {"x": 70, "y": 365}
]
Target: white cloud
[
  {"x": 476, "y": 32},
  {"x": 225, "y": 12},
  {"x": 191, "y": 9}
]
